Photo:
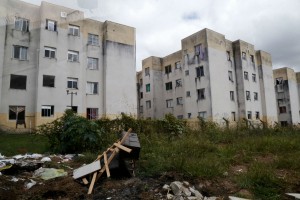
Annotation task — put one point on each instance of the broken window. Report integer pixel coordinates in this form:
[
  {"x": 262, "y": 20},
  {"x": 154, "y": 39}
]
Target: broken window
[
  {"x": 50, "y": 52},
  {"x": 232, "y": 95},
  {"x": 188, "y": 93},
  {"x": 48, "y": 81},
  {"x": 199, "y": 71},
  {"x": 179, "y": 101},
  {"x": 47, "y": 111},
  {"x": 233, "y": 116},
  {"x": 201, "y": 93},
  {"x": 20, "y": 52},
  {"x": 168, "y": 69},
  {"x": 92, "y": 63},
  {"x": 148, "y": 87},
  {"x": 248, "y": 97},
  {"x": 72, "y": 83},
  {"x": 92, "y": 88},
  {"x": 73, "y": 30},
  {"x": 249, "y": 115},
  {"x": 169, "y": 103},
  {"x": 51, "y": 25},
  {"x": 148, "y": 104},
  {"x": 178, "y": 65},
  {"x": 169, "y": 86},
  {"x": 282, "y": 109},
  {"x": 22, "y": 24},
  {"x": 187, "y": 72},
  {"x": 255, "y": 96},
  {"x": 230, "y": 77},
  {"x": 254, "y": 77},
  {"x": 246, "y": 76},
  {"x": 279, "y": 84},
  {"x": 18, "y": 82},
  {"x": 257, "y": 115},
  {"x": 16, "y": 113},
  {"x": 244, "y": 55},
  {"x": 73, "y": 56},
  {"x": 93, "y": 39},
  {"x": 147, "y": 71},
  {"x": 178, "y": 83},
  {"x": 202, "y": 115},
  {"x": 92, "y": 113},
  {"x": 228, "y": 55}
]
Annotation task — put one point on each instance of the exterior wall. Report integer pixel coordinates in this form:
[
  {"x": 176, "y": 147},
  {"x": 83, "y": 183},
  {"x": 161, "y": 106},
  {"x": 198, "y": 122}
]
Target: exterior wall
[
  {"x": 222, "y": 79},
  {"x": 116, "y": 64}
]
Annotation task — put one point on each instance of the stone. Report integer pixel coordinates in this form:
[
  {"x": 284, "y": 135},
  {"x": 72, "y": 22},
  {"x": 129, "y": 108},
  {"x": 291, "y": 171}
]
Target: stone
[
  {"x": 186, "y": 184},
  {"x": 296, "y": 195},
  {"x": 175, "y": 186},
  {"x": 210, "y": 198},
  {"x": 192, "y": 198},
  {"x": 178, "y": 198},
  {"x": 170, "y": 196},
  {"x": 196, "y": 193},
  {"x": 186, "y": 191},
  {"x": 166, "y": 187},
  {"x": 236, "y": 198}
]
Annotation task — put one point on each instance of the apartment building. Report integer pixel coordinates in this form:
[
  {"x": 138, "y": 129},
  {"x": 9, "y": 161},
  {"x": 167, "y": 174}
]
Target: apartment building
[
  {"x": 52, "y": 58},
  {"x": 210, "y": 77},
  {"x": 287, "y": 84}
]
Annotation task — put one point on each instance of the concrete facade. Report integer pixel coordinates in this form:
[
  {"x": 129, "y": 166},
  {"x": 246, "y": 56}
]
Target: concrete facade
[
  {"x": 286, "y": 83},
  {"x": 48, "y": 50},
  {"x": 212, "y": 78}
]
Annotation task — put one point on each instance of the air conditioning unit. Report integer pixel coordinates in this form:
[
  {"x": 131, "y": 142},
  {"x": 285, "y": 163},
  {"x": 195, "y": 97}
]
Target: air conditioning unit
[{"x": 63, "y": 14}]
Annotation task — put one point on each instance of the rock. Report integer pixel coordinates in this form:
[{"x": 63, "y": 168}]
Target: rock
[
  {"x": 210, "y": 198},
  {"x": 166, "y": 187},
  {"x": 236, "y": 198},
  {"x": 186, "y": 184},
  {"x": 170, "y": 196},
  {"x": 178, "y": 198},
  {"x": 175, "y": 186},
  {"x": 196, "y": 193},
  {"x": 296, "y": 195},
  {"x": 46, "y": 159},
  {"x": 192, "y": 198},
  {"x": 186, "y": 191},
  {"x": 30, "y": 184}
]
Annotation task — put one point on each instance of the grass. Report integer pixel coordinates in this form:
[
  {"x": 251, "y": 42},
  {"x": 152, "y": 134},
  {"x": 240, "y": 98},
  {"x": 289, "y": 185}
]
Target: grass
[{"x": 12, "y": 144}]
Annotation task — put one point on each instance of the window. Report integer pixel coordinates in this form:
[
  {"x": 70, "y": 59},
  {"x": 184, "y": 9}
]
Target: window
[
  {"x": 254, "y": 77},
  {"x": 179, "y": 116},
  {"x": 249, "y": 115},
  {"x": 202, "y": 115},
  {"x": 197, "y": 49},
  {"x": 16, "y": 113},
  {"x": 279, "y": 84},
  {"x": 73, "y": 56},
  {"x": 22, "y": 24},
  {"x": 51, "y": 25},
  {"x": 199, "y": 71},
  {"x": 168, "y": 69},
  {"x": 147, "y": 71},
  {"x": 20, "y": 52},
  {"x": 169, "y": 86},
  {"x": 48, "y": 81},
  {"x": 178, "y": 65},
  {"x": 232, "y": 95},
  {"x": 283, "y": 123},
  {"x": 282, "y": 109},
  {"x": 169, "y": 103},
  {"x": 141, "y": 95},
  {"x": 73, "y": 30},
  {"x": 187, "y": 72},
  {"x": 148, "y": 104},
  {"x": 248, "y": 97},
  {"x": 92, "y": 88},
  {"x": 178, "y": 83},
  {"x": 141, "y": 109},
  {"x": 252, "y": 58},
  {"x": 18, "y": 82},
  {"x": 72, "y": 83},
  {"x": 233, "y": 116},
  {"x": 92, "y": 63},
  {"x": 188, "y": 93},
  {"x": 280, "y": 101},
  {"x": 179, "y": 101},
  {"x": 228, "y": 55},
  {"x": 189, "y": 115},
  {"x": 201, "y": 94},
  {"x": 47, "y": 111},
  {"x": 256, "y": 115},
  {"x": 92, "y": 113},
  {"x": 148, "y": 87},
  {"x": 230, "y": 76},
  {"x": 50, "y": 52},
  {"x": 255, "y": 96},
  {"x": 246, "y": 76},
  {"x": 244, "y": 55},
  {"x": 93, "y": 39}
]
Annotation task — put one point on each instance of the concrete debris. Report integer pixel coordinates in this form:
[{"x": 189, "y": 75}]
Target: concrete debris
[
  {"x": 2, "y": 164},
  {"x": 170, "y": 196},
  {"x": 30, "y": 184},
  {"x": 236, "y": 198},
  {"x": 176, "y": 187},
  {"x": 166, "y": 187},
  {"x": 296, "y": 195},
  {"x": 1, "y": 156},
  {"x": 46, "y": 159},
  {"x": 14, "y": 179}
]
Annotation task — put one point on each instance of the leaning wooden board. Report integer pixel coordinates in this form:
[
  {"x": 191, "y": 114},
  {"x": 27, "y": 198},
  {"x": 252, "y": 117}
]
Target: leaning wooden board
[{"x": 86, "y": 169}]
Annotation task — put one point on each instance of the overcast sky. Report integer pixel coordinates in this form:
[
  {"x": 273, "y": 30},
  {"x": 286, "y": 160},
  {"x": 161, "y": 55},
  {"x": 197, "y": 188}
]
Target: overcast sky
[{"x": 271, "y": 26}]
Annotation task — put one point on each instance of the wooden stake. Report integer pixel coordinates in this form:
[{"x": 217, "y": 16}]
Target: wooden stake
[
  {"x": 85, "y": 181},
  {"x": 106, "y": 165},
  {"x": 92, "y": 183},
  {"x": 123, "y": 147}
]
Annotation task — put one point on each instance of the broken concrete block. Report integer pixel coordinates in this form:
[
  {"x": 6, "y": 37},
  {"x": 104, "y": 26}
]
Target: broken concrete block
[
  {"x": 170, "y": 196},
  {"x": 186, "y": 191},
  {"x": 46, "y": 159},
  {"x": 175, "y": 186},
  {"x": 166, "y": 187},
  {"x": 196, "y": 193},
  {"x": 186, "y": 184},
  {"x": 192, "y": 198},
  {"x": 30, "y": 184},
  {"x": 86, "y": 169},
  {"x": 236, "y": 198},
  {"x": 296, "y": 195}
]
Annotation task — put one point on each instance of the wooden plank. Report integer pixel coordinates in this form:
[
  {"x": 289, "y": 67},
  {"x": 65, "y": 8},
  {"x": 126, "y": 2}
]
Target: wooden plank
[
  {"x": 85, "y": 181},
  {"x": 86, "y": 169},
  {"x": 106, "y": 165},
  {"x": 92, "y": 183},
  {"x": 108, "y": 162},
  {"x": 125, "y": 136},
  {"x": 123, "y": 147}
]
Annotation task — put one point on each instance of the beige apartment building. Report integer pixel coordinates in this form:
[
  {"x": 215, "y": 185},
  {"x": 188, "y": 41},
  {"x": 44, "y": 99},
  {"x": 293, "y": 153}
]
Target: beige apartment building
[
  {"x": 52, "y": 58},
  {"x": 212, "y": 78}
]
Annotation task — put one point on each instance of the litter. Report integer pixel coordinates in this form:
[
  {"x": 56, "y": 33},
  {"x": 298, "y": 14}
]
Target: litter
[
  {"x": 30, "y": 184},
  {"x": 1, "y": 156},
  {"x": 46, "y": 159},
  {"x": 5, "y": 167},
  {"x": 14, "y": 179},
  {"x": 49, "y": 173},
  {"x": 2, "y": 164}
]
